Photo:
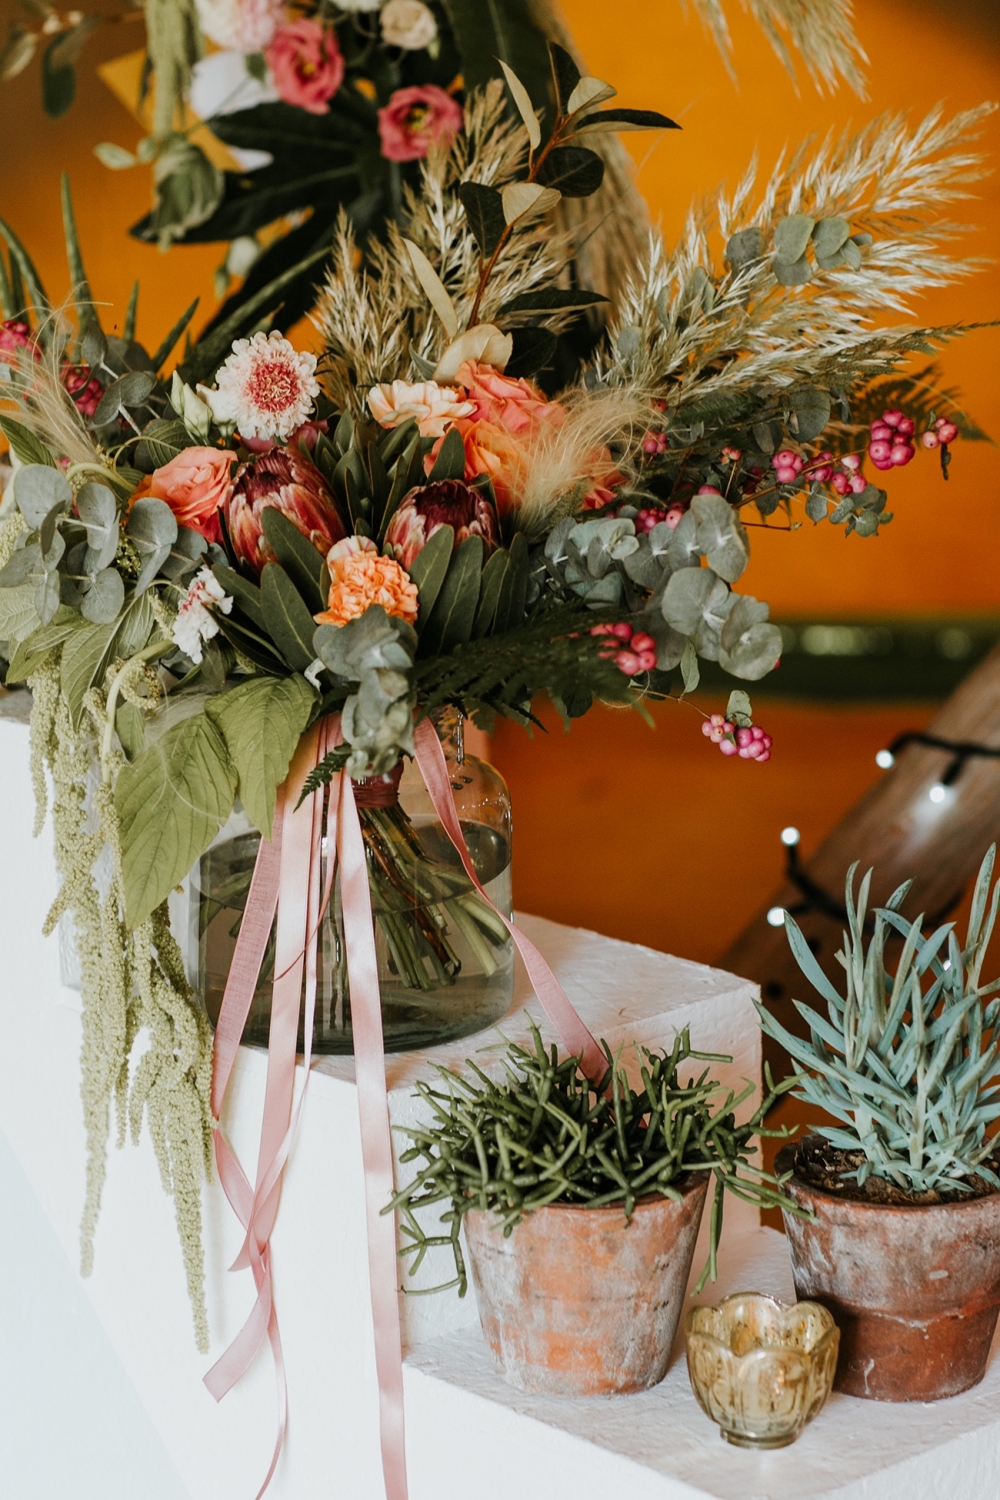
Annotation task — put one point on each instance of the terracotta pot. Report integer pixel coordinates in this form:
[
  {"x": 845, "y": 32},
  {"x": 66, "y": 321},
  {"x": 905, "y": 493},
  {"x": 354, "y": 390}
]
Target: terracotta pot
[
  {"x": 914, "y": 1291},
  {"x": 577, "y": 1302}
]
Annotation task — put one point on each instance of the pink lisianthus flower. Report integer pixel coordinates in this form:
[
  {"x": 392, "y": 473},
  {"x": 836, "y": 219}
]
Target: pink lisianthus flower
[
  {"x": 286, "y": 480},
  {"x": 415, "y": 119},
  {"x": 429, "y": 507},
  {"x": 196, "y": 484},
  {"x": 433, "y": 407},
  {"x": 306, "y": 65},
  {"x": 514, "y": 405}
]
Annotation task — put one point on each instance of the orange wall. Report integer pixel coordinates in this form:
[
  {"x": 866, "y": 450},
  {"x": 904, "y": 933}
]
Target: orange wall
[{"x": 651, "y": 835}]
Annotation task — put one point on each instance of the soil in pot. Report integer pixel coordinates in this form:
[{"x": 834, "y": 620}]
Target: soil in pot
[
  {"x": 579, "y": 1302},
  {"x": 913, "y": 1282}
]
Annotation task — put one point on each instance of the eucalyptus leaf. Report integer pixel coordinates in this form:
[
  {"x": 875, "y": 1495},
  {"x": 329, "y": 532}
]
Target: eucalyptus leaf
[
  {"x": 103, "y": 601},
  {"x": 185, "y": 555},
  {"x": 750, "y": 648},
  {"x": 98, "y": 510},
  {"x": 793, "y": 273},
  {"x": 130, "y": 389},
  {"x": 812, "y": 410},
  {"x": 693, "y": 596},
  {"x": 172, "y": 800},
  {"x": 152, "y": 528},
  {"x": 721, "y": 536},
  {"x": 682, "y": 547},
  {"x": 37, "y": 488},
  {"x": 829, "y": 235},
  {"x": 791, "y": 238},
  {"x": 744, "y": 247}
]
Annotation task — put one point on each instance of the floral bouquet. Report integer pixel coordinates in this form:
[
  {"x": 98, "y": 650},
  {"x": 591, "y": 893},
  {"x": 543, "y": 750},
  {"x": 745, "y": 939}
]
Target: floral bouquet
[{"x": 198, "y": 568}]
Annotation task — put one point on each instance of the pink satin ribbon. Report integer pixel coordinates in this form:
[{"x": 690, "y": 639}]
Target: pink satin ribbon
[{"x": 287, "y": 883}]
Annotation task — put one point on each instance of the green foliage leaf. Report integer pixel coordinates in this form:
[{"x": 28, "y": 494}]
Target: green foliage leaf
[
  {"x": 525, "y": 108},
  {"x": 484, "y": 210},
  {"x": 513, "y": 587},
  {"x": 58, "y": 82},
  {"x": 690, "y": 671},
  {"x": 84, "y": 659},
  {"x": 98, "y": 510},
  {"x": 104, "y": 599},
  {"x": 26, "y": 447},
  {"x": 489, "y": 592},
  {"x": 246, "y": 594},
  {"x": 18, "y": 615},
  {"x": 152, "y": 529},
  {"x": 129, "y": 390},
  {"x": 288, "y": 620},
  {"x": 565, "y": 75},
  {"x": 739, "y": 709},
  {"x": 172, "y": 800},
  {"x": 744, "y": 247},
  {"x": 829, "y": 236},
  {"x": 38, "y": 490},
  {"x": 550, "y": 299},
  {"x": 175, "y": 333},
  {"x": 812, "y": 410},
  {"x": 573, "y": 171},
  {"x": 720, "y": 536},
  {"x": 24, "y": 264},
  {"x": 450, "y": 462},
  {"x": 262, "y": 722},
  {"x": 625, "y": 119},
  {"x": 428, "y": 570},
  {"x": 452, "y": 618},
  {"x": 303, "y": 562},
  {"x": 791, "y": 237},
  {"x": 794, "y": 273},
  {"x": 533, "y": 349}
]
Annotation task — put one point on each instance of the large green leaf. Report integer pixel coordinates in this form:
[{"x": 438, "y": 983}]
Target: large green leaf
[
  {"x": 246, "y": 594},
  {"x": 428, "y": 570},
  {"x": 489, "y": 592},
  {"x": 27, "y": 447},
  {"x": 488, "y": 31},
  {"x": 18, "y": 615},
  {"x": 261, "y": 722},
  {"x": 514, "y": 587},
  {"x": 31, "y": 652},
  {"x": 302, "y": 561},
  {"x": 172, "y": 800},
  {"x": 289, "y": 623},
  {"x": 79, "y": 284},
  {"x": 451, "y": 620},
  {"x": 84, "y": 658}
]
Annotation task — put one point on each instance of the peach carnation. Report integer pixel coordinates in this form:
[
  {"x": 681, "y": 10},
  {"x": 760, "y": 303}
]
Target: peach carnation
[
  {"x": 361, "y": 577},
  {"x": 433, "y": 407}
]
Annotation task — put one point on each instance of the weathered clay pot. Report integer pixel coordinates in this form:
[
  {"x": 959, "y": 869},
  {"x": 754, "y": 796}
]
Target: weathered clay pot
[
  {"x": 914, "y": 1291},
  {"x": 578, "y": 1303}
]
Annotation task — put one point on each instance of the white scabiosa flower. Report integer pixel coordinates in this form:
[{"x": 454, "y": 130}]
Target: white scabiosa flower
[
  {"x": 195, "y": 621},
  {"x": 409, "y": 24},
  {"x": 266, "y": 388}
]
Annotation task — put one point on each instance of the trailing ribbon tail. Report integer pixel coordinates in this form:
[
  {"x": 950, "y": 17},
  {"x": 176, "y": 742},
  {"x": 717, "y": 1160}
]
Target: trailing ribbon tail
[{"x": 574, "y": 1035}]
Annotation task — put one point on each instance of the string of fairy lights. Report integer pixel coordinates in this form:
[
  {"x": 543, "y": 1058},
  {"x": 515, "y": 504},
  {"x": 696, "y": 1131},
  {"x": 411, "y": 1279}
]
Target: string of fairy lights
[{"x": 813, "y": 897}]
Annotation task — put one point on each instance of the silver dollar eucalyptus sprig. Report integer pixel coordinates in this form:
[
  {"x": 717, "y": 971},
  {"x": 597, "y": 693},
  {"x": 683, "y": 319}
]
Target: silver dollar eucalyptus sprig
[{"x": 908, "y": 1062}]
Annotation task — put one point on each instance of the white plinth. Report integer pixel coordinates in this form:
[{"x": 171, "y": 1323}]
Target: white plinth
[{"x": 468, "y": 1435}]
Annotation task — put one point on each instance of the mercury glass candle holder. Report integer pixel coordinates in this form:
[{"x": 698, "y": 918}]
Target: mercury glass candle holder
[{"x": 761, "y": 1368}]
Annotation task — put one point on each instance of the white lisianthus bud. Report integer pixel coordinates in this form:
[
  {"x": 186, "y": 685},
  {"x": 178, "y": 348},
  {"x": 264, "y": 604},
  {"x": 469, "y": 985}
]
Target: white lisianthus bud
[
  {"x": 409, "y": 24},
  {"x": 195, "y": 413}
]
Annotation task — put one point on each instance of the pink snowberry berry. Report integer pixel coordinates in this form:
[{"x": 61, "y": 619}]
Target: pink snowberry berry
[
  {"x": 629, "y": 663},
  {"x": 654, "y": 443},
  {"x": 642, "y": 642},
  {"x": 930, "y": 440},
  {"x": 674, "y": 516},
  {"x": 851, "y": 461},
  {"x": 728, "y": 746},
  {"x": 906, "y": 427},
  {"x": 821, "y": 468},
  {"x": 623, "y": 631},
  {"x": 881, "y": 432},
  {"x": 732, "y": 455},
  {"x": 880, "y": 452},
  {"x": 892, "y": 417},
  {"x": 902, "y": 453},
  {"x": 947, "y": 432},
  {"x": 841, "y": 482},
  {"x": 709, "y": 489},
  {"x": 602, "y": 630},
  {"x": 859, "y": 484}
]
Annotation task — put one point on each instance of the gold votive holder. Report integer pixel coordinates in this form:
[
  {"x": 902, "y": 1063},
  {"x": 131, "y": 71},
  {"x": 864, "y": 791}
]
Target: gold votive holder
[{"x": 761, "y": 1368}]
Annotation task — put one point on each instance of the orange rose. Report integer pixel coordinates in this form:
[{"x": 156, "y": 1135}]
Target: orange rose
[
  {"x": 514, "y": 405},
  {"x": 489, "y": 449},
  {"x": 195, "y": 484}
]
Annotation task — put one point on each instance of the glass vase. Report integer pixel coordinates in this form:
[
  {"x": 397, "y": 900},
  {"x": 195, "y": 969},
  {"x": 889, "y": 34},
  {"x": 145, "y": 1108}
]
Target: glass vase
[{"x": 445, "y": 960}]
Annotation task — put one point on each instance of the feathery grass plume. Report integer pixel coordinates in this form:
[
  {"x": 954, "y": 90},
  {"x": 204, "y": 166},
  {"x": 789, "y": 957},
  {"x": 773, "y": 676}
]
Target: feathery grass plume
[
  {"x": 699, "y": 329},
  {"x": 821, "y": 30},
  {"x": 555, "y": 465},
  {"x": 374, "y": 317}
]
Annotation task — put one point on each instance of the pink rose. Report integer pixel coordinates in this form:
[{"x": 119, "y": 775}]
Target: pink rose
[
  {"x": 416, "y": 119},
  {"x": 514, "y": 405},
  {"x": 195, "y": 485},
  {"x": 306, "y": 65}
]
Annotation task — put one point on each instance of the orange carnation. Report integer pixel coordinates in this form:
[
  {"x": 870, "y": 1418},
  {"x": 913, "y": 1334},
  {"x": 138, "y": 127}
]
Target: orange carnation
[{"x": 360, "y": 577}]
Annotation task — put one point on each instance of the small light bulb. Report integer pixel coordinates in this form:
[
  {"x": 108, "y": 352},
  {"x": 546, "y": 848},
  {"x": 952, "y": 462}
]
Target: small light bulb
[
  {"x": 938, "y": 792},
  {"x": 789, "y": 837},
  {"x": 776, "y": 916},
  {"x": 884, "y": 759}
]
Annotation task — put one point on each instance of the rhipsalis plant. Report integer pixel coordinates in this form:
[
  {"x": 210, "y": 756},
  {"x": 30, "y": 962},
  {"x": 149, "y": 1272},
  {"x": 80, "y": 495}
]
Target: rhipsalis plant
[
  {"x": 545, "y": 1134},
  {"x": 908, "y": 1061}
]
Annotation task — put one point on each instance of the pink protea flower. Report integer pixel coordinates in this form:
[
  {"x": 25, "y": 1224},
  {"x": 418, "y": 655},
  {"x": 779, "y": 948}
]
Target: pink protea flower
[
  {"x": 360, "y": 577},
  {"x": 415, "y": 119},
  {"x": 85, "y": 389},
  {"x": 245, "y": 25},
  {"x": 266, "y": 388},
  {"x": 306, "y": 65},
  {"x": 429, "y": 507},
  {"x": 286, "y": 480}
]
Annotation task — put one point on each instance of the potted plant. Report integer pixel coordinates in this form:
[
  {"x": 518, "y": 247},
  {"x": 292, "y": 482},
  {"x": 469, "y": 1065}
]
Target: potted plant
[
  {"x": 581, "y": 1203},
  {"x": 903, "y": 1239}
]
